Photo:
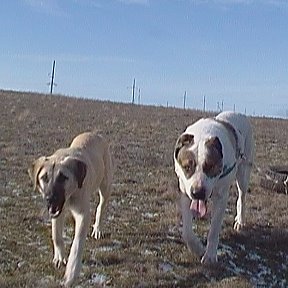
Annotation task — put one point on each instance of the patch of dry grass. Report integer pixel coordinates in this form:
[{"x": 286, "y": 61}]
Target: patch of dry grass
[{"x": 143, "y": 246}]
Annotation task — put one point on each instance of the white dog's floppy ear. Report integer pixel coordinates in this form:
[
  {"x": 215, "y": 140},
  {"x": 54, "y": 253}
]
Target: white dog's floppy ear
[
  {"x": 79, "y": 170},
  {"x": 35, "y": 169},
  {"x": 183, "y": 140}
]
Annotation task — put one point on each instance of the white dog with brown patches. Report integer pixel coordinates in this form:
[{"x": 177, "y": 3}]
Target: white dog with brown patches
[
  {"x": 66, "y": 179},
  {"x": 208, "y": 156}
]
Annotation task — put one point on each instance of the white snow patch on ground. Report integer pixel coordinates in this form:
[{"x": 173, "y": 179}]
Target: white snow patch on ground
[
  {"x": 260, "y": 275},
  {"x": 166, "y": 267},
  {"x": 98, "y": 279},
  {"x": 115, "y": 245}
]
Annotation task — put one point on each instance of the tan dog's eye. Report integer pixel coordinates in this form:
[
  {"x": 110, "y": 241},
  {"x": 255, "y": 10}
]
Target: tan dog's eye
[
  {"x": 61, "y": 178},
  {"x": 45, "y": 178}
]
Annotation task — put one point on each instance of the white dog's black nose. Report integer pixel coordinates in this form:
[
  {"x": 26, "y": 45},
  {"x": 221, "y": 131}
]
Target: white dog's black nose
[{"x": 198, "y": 194}]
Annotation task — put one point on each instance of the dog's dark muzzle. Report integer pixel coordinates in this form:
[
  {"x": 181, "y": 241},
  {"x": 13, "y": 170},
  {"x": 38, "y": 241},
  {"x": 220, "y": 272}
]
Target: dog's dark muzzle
[
  {"x": 54, "y": 211},
  {"x": 54, "y": 208},
  {"x": 55, "y": 202}
]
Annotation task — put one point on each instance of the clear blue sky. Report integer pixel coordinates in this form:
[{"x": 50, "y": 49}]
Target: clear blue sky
[{"x": 232, "y": 51}]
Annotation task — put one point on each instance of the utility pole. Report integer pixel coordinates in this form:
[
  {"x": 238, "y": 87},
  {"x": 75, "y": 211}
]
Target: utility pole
[
  {"x": 133, "y": 91},
  {"x": 204, "y": 103},
  {"x": 184, "y": 100},
  {"x": 220, "y": 108},
  {"x": 139, "y": 96},
  {"x": 52, "y": 77}
]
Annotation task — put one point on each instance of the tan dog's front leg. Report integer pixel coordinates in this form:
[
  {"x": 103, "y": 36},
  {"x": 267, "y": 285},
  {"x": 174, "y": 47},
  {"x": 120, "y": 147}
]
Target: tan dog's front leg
[
  {"x": 104, "y": 193},
  {"x": 58, "y": 242},
  {"x": 218, "y": 210},
  {"x": 193, "y": 243},
  {"x": 97, "y": 232},
  {"x": 75, "y": 257}
]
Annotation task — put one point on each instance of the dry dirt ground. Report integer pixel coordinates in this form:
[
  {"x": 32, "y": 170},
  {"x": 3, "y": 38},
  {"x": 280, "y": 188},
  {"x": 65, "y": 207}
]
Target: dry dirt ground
[{"x": 143, "y": 245}]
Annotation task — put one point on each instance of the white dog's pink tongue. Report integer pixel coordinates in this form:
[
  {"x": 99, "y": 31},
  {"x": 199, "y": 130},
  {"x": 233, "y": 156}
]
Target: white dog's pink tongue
[{"x": 198, "y": 208}]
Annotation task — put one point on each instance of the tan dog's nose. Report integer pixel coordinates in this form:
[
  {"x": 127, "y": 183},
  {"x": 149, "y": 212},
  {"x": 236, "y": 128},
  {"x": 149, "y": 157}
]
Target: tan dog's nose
[{"x": 48, "y": 199}]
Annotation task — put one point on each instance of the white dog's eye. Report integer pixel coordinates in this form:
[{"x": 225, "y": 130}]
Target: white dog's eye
[
  {"x": 212, "y": 169},
  {"x": 187, "y": 168}
]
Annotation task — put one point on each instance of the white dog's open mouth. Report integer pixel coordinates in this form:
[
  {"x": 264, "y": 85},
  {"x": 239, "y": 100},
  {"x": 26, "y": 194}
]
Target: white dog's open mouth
[{"x": 198, "y": 208}]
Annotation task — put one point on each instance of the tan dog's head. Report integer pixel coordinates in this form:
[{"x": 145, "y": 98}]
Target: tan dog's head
[
  {"x": 198, "y": 166},
  {"x": 57, "y": 180}
]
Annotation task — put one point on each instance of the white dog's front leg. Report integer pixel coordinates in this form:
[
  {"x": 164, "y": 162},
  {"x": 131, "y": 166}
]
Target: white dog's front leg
[
  {"x": 58, "y": 242},
  {"x": 219, "y": 202},
  {"x": 75, "y": 257},
  {"x": 240, "y": 216},
  {"x": 243, "y": 175},
  {"x": 193, "y": 243}
]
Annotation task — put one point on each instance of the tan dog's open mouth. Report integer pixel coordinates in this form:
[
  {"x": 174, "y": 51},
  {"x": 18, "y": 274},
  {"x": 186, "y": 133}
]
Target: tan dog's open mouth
[
  {"x": 54, "y": 212},
  {"x": 198, "y": 208}
]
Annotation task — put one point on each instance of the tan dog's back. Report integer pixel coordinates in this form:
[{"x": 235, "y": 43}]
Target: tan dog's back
[
  {"x": 95, "y": 150},
  {"x": 89, "y": 140}
]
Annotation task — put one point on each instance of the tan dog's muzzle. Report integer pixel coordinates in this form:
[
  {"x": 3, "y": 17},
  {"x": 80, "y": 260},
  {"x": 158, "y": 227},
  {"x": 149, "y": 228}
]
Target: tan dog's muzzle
[{"x": 55, "y": 196}]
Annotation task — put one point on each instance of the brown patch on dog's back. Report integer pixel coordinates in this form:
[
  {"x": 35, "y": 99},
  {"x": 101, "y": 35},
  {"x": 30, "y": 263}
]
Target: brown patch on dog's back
[
  {"x": 186, "y": 159},
  {"x": 212, "y": 166}
]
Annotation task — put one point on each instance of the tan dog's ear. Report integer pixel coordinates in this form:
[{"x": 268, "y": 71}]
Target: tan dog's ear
[
  {"x": 35, "y": 169},
  {"x": 79, "y": 170},
  {"x": 183, "y": 140}
]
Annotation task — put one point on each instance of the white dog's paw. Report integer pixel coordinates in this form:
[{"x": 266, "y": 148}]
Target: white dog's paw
[
  {"x": 59, "y": 260},
  {"x": 209, "y": 259},
  {"x": 67, "y": 281},
  {"x": 96, "y": 233}
]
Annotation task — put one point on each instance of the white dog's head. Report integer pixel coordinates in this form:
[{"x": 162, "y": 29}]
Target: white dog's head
[
  {"x": 56, "y": 180},
  {"x": 198, "y": 167}
]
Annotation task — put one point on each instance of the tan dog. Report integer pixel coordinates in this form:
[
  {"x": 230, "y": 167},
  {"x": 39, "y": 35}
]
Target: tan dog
[{"x": 66, "y": 179}]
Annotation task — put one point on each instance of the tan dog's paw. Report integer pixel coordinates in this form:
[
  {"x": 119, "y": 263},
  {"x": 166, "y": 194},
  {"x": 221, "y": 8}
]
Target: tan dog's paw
[
  {"x": 96, "y": 233},
  {"x": 59, "y": 260},
  {"x": 238, "y": 227}
]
